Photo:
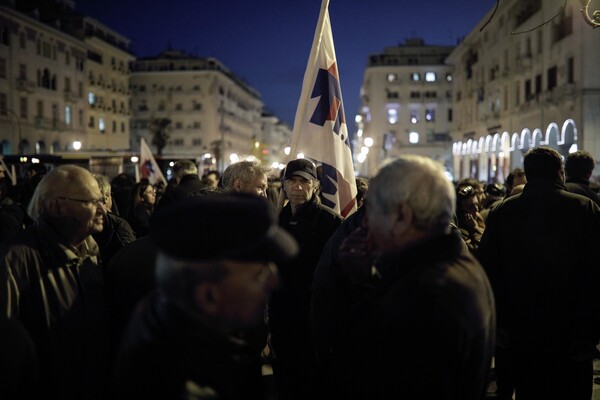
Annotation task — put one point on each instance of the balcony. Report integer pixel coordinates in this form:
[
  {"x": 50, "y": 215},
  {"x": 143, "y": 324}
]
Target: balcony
[
  {"x": 70, "y": 96},
  {"x": 49, "y": 123},
  {"x": 23, "y": 85}
]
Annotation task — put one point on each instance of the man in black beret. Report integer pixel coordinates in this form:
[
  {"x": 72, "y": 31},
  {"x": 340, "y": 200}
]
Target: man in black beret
[{"x": 215, "y": 269}]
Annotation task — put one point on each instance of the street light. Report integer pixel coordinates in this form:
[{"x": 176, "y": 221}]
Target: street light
[{"x": 77, "y": 145}]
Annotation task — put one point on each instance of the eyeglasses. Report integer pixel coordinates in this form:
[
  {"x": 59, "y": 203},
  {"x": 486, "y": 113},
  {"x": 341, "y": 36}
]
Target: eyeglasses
[{"x": 95, "y": 202}]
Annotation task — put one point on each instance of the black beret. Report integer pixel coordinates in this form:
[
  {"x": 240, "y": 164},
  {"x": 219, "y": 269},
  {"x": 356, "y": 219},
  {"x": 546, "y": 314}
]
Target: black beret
[{"x": 238, "y": 227}]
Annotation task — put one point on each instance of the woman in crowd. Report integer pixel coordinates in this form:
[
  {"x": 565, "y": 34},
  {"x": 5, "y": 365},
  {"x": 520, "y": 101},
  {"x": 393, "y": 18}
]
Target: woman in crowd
[{"x": 142, "y": 206}]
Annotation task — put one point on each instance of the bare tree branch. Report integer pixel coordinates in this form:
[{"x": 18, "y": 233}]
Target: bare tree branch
[
  {"x": 491, "y": 16},
  {"x": 543, "y": 23}
]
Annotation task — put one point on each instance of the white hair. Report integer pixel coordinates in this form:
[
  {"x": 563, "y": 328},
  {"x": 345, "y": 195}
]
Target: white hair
[
  {"x": 183, "y": 168},
  {"x": 419, "y": 182},
  {"x": 56, "y": 183},
  {"x": 244, "y": 170}
]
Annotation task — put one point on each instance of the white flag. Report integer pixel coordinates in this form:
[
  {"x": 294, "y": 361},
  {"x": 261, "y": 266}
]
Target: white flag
[
  {"x": 148, "y": 167},
  {"x": 320, "y": 130}
]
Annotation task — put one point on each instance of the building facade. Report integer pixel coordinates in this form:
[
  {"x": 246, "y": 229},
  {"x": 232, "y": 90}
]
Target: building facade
[
  {"x": 42, "y": 84},
  {"x": 529, "y": 78},
  {"x": 405, "y": 105},
  {"x": 275, "y": 138},
  {"x": 56, "y": 68},
  {"x": 107, "y": 76},
  {"x": 209, "y": 112}
]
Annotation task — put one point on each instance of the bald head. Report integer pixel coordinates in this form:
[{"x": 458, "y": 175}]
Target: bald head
[{"x": 69, "y": 198}]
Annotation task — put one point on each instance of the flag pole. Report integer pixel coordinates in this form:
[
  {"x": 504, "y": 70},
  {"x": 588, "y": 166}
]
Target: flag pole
[
  {"x": 312, "y": 59},
  {"x": 300, "y": 109}
]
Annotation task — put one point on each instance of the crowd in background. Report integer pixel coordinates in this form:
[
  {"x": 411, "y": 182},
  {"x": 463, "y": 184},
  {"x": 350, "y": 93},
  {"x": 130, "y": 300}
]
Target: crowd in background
[{"x": 112, "y": 288}]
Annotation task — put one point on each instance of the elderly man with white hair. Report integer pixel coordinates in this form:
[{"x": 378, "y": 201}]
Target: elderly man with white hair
[
  {"x": 425, "y": 325},
  {"x": 52, "y": 283},
  {"x": 246, "y": 177}
]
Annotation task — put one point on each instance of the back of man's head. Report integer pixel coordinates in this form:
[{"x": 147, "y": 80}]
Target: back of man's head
[
  {"x": 579, "y": 164},
  {"x": 183, "y": 168},
  {"x": 542, "y": 163},
  {"x": 415, "y": 179}
]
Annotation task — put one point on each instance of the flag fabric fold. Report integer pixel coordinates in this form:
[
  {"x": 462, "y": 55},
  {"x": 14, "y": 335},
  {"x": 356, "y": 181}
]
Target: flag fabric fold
[
  {"x": 320, "y": 131},
  {"x": 148, "y": 167}
]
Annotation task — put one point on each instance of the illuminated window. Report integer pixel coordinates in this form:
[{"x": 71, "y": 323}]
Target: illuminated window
[
  {"x": 430, "y": 115},
  {"x": 101, "y": 125},
  {"x": 91, "y": 98},
  {"x": 413, "y": 137},
  {"x": 392, "y": 115},
  {"x": 68, "y": 115},
  {"x": 430, "y": 76},
  {"x": 415, "y": 76},
  {"x": 392, "y": 77},
  {"x": 414, "y": 116}
]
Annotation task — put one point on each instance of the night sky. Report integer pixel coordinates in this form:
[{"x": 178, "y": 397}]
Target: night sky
[{"x": 267, "y": 42}]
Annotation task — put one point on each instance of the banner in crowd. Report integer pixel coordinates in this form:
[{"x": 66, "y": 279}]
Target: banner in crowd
[
  {"x": 148, "y": 167},
  {"x": 320, "y": 130}
]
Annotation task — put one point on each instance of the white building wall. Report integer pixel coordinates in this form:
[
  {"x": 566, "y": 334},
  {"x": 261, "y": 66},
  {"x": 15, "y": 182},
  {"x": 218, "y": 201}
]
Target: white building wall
[
  {"x": 206, "y": 104},
  {"x": 514, "y": 76},
  {"x": 401, "y": 111},
  {"x": 39, "y": 60},
  {"x": 108, "y": 118}
]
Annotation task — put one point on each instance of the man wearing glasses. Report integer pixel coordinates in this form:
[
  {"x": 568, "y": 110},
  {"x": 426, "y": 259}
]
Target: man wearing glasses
[{"x": 52, "y": 283}]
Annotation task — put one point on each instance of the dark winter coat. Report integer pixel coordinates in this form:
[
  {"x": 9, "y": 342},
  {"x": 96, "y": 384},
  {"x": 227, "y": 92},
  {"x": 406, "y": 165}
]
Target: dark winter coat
[
  {"x": 114, "y": 236},
  {"x": 312, "y": 227},
  {"x": 57, "y": 293},
  {"x": 425, "y": 330},
  {"x": 540, "y": 252},
  {"x": 169, "y": 353},
  {"x": 11, "y": 219},
  {"x": 582, "y": 187}
]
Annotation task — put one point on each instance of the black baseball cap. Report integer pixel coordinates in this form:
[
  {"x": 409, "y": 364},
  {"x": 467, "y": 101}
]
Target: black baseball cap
[{"x": 301, "y": 167}]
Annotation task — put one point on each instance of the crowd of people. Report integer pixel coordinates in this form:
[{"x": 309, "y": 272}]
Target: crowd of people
[{"x": 112, "y": 289}]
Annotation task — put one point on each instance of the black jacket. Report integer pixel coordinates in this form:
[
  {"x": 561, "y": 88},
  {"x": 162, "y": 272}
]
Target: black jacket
[
  {"x": 312, "y": 227},
  {"x": 425, "y": 330},
  {"x": 539, "y": 250},
  {"x": 188, "y": 186},
  {"x": 11, "y": 219},
  {"x": 57, "y": 293},
  {"x": 116, "y": 234},
  {"x": 169, "y": 353},
  {"x": 582, "y": 187}
]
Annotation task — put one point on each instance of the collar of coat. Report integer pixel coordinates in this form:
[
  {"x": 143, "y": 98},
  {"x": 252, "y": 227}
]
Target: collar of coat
[{"x": 436, "y": 250}]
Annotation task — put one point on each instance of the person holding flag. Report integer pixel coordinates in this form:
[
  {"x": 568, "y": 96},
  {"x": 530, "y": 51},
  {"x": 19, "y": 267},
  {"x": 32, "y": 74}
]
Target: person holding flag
[
  {"x": 321, "y": 134},
  {"x": 311, "y": 224},
  {"x": 320, "y": 131}
]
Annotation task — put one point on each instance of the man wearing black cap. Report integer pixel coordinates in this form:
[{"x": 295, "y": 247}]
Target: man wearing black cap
[
  {"x": 311, "y": 224},
  {"x": 215, "y": 270}
]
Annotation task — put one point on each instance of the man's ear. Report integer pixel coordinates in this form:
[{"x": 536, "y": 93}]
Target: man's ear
[
  {"x": 404, "y": 217},
  {"x": 237, "y": 185},
  {"x": 207, "y": 298}
]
